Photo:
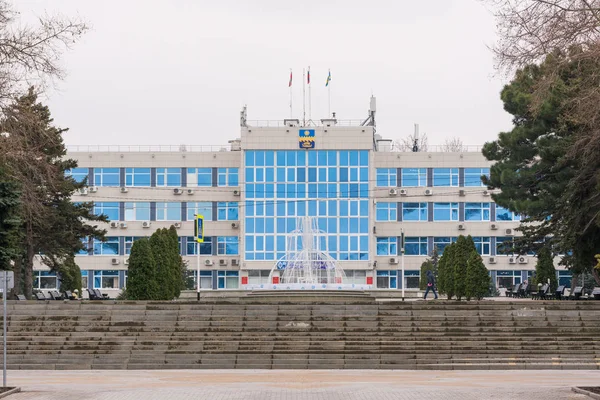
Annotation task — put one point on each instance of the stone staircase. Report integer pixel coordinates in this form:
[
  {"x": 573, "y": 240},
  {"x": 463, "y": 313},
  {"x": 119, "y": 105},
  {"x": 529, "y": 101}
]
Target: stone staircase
[{"x": 304, "y": 332}]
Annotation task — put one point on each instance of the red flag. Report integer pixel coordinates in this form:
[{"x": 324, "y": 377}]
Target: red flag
[
  {"x": 290, "y": 85},
  {"x": 308, "y": 76}
]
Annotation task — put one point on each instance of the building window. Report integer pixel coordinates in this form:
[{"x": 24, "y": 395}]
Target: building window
[
  {"x": 411, "y": 279},
  {"x": 84, "y": 281},
  {"x": 387, "y": 279},
  {"x": 386, "y": 177},
  {"x": 386, "y": 212},
  {"x": 227, "y": 245},
  {"x": 473, "y": 176},
  {"x": 85, "y": 243},
  {"x": 482, "y": 244},
  {"x": 107, "y": 177},
  {"x": 111, "y": 210},
  {"x": 205, "y": 247},
  {"x": 415, "y": 246},
  {"x": 227, "y": 177},
  {"x": 203, "y": 208},
  {"x": 137, "y": 177},
  {"x": 106, "y": 279},
  {"x": 168, "y": 211},
  {"x": 45, "y": 280},
  {"x": 228, "y": 279},
  {"x": 414, "y": 177},
  {"x": 504, "y": 246},
  {"x": 414, "y": 212},
  {"x": 507, "y": 279},
  {"x": 137, "y": 211},
  {"x": 129, "y": 240},
  {"x": 503, "y": 214},
  {"x": 477, "y": 211},
  {"x": 108, "y": 248},
  {"x": 78, "y": 174},
  {"x": 227, "y": 211},
  {"x": 445, "y": 211},
  {"x": 168, "y": 177},
  {"x": 445, "y": 177},
  {"x": 259, "y": 277},
  {"x": 355, "y": 277},
  {"x": 441, "y": 242},
  {"x": 201, "y": 177},
  {"x": 387, "y": 246},
  {"x": 564, "y": 278}
]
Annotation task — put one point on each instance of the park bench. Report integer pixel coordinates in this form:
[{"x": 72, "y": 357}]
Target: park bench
[
  {"x": 577, "y": 293},
  {"x": 542, "y": 293},
  {"x": 559, "y": 292}
]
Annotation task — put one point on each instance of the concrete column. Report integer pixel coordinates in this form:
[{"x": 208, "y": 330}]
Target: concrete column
[
  {"x": 215, "y": 282},
  {"x": 121, "y": 245},
  {"x": 493, "y": 245},
  {"x": 91, "y": 176},
  {"x": 214, "y": 245},
  {"x": 493, "y": 212},
  {"x": 121, "y": 279},
  {"x": 184, "y": 177},
  {"x": 430, "y": 245},
  {"x": 215, "y": 177},
  {"x": 429, "y": 177},
  {"x": 122, "y": 211},
  {"x": 122, "y": 176},
  {"x": 399, "y": 177},
  {"x": 152, "y": 177},
  {"x": 461, "y": 211},
  {"x": 430, "y": 212},
  {"x": 214, "y": 211},
  {"x": 183, "y": 211},
  {"x": 184, "y": 246},
  {"x": 461, "y": 177},
  {"x": 152, "y": 211},
  {"x": 399, "y": 212}
]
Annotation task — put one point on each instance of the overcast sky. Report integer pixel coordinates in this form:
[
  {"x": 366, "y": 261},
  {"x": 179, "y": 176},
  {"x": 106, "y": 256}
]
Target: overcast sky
[{"x": 179, "y": 71}]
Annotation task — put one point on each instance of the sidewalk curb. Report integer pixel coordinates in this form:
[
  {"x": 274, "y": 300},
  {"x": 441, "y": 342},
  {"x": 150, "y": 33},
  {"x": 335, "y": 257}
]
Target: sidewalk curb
[
  {"x": 9, "y": 392},
  {"x": 586, "y": 392}
]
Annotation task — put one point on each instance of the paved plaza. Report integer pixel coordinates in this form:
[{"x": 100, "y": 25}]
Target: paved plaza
[{"x": 299, "y": 384}]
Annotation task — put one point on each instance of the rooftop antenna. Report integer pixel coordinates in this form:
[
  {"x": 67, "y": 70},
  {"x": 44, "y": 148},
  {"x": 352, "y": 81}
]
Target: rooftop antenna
[{"x": 416, "y": 139}]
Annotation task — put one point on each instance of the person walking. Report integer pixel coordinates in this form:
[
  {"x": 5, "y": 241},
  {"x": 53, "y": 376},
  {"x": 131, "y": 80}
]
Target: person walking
[{"x": 430, "y": 285}]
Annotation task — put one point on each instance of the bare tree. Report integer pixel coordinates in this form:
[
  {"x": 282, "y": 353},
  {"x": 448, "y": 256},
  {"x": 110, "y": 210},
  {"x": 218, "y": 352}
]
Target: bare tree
[
  {"x": 408, "y": 143},
  {"x": 453, "y": 145},
  {"x": 30, "y": 54}
]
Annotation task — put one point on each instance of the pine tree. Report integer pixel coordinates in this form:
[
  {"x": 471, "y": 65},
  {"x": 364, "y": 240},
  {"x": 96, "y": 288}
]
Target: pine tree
[
  {"x": 477, "y": 280},
  {"x": 9, "y": 223},
  {"x": 464, "y": 247},
  {"x": 141, "y": 280},
  {"x": 160, "y": 250},
  {"x": 446, "y": 271},
  {"x": 544, "y": 269},
  {"x": 178, "y": 267},
  {"x": 69, "y": 275}
]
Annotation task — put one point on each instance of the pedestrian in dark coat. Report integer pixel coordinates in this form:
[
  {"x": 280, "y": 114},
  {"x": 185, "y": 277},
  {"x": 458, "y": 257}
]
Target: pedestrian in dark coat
[{"x": 430, "y": 285}]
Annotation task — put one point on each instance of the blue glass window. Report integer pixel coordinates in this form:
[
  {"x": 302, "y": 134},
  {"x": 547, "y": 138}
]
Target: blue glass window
[
  {"x": 168, "y": 211},
  {"x": 387, "y": 246},
  {"x": 203, "y": 208},
  {"x": 386, "y": 177},
  {"x": 129, "y": 240},
  {"x": 229, "y": 177},
  {"x": 482, "y": 244},
  {"x": 414, "y": 212},
  {"x": 503, "y": 214},
  {"x": 168, "y": 176},
  {"x": 137, "y": 177},
  {"x": 111, "y": 210},
  {"x": 477, "y": 211},
  {"x": 387, "y": 279},
  {"x": 414, "y": 177},
  {"x": 227, "y": 211},
  {"x": 386, "y": 212},
  {"x": 205, "y": 247},
  {"x": 137, "y": 211},
  {"x": 445, "y": 211},
  {"x": 445, "y": 177},
  {"x": 200, "y": 177},
  {"x": 108, "y": 248},
  {"x": 441, "y": 242},
  {"x": 473, "y": 176},
  {"x": 227, "y": 245},
  {"x": 78, "y": 174},
  {"x": 504, "y": 245},
  {"x": 415, "y": 246},
  {"x": 45, "y": 280},
  {"x": 107, "y": 177},
  {"x": 106, "y": 279}
]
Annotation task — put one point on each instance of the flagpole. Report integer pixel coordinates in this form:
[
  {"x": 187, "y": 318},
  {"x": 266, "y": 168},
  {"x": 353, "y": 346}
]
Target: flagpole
[
  {"x": 291, "y": 94},
  {"x": 303, "y": 97},
  {"x": 329, "y": 94},
  {"x": 309, "y": 97}
]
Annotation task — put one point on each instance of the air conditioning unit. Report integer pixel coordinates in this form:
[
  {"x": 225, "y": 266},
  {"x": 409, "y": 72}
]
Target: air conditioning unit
[
  {"x": 462, "y": 193},
  {"x": 114, "y": 224},
  {"x": 208, "y": 263},
  {"x": 115, "y": 261},
  {"x": 93, "y": 189},
  {"x": 177, "y": 191},
  {"x": 492, "y": 260},
  {"x": 508, "y": 232},
  {"x": 428, "y": 192},
  {"x": 512, "y": 260},
  {"x": 177, "y": 225},
  {"x": 393, "y": 192},
  {"x": 126, "y": 262},
  {"x": 523, "y": 260},
  {"x": 486, "y": 193},
  {"x": 235, "y": 225},
  {"x": 394, "y": 260},
  {"x": 403, "y": 192},
  {"x": 461, "y": 227},
  {"x": 123, "y": 225},
  {"x": 146, "y": 224},
  {"x": 236, "y": 192},
  {"x": 493, "y": 227},
  {"x": 83, "y": 191},
  {"x": 235, "y": 262},
  {"x": 222, "y": 262},
  {"x": 124, "y": 190},
  {"x": 190, "y": 191}
]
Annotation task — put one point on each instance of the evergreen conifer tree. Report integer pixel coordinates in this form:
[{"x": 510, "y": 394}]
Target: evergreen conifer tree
[
  {"x": 477, "y": 280},
  {"x": 426, "y": 266},
  {"x": 464, "y": 246},
  {"x": 446, "y": 271},
  {"x": 141, "y": 280},
  {"x": 177, "y": 267},
  {"x": 544, "y": 269},
  {"x": 69, "y": 275}
]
